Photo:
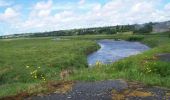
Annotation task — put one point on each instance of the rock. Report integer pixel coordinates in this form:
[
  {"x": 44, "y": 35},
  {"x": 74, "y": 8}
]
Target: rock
[
  {"x": 164, "y": 57},
  {"x": 120, "y": 85},
  {"x": 69, "y": 97}
]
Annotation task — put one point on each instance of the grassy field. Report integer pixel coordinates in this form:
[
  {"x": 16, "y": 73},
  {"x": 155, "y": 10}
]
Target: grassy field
[{"x": 26, "y": 63}]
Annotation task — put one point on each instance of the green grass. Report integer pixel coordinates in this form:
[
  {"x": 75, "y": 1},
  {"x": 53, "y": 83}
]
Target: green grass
[
  {"x": 46, "y": 58},
  {"x": 51, "y": 56}
]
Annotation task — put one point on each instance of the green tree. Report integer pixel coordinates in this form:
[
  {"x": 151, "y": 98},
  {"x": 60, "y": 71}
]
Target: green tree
[{"x": 147, "y": 28}]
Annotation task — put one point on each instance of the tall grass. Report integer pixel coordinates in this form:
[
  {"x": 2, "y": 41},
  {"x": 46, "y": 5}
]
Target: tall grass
[{"x": 30, "y": 61}]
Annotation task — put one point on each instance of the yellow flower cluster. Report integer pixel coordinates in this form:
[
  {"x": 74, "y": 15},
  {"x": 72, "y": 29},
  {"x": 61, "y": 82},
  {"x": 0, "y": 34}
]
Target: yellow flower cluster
[
  {"x": 147, "y": 67},
  {"x": 35, "y": 73},
  {"x": 98, "y": 63}
]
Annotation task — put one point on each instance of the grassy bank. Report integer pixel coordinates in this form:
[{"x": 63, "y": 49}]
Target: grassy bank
[
  {"x": 26, "y": 63},
  {"x": 145, "y": 67}
]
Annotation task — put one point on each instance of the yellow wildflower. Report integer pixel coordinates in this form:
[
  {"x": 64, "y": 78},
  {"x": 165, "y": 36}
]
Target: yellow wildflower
[
  {"x": 34, "y": 71},
  {"x": 98, "y": 63},
  {"x": 27, "y": 66}
]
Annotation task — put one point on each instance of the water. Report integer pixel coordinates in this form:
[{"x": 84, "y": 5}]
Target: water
[{"x": 112, "y": 51}]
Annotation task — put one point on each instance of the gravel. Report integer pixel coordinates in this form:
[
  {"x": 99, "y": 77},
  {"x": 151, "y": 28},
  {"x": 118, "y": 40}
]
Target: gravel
[{"x": 102, "y": 90}]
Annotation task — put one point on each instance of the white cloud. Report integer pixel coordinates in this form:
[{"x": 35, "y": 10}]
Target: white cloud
[
  {"x": 97, "y": 7},
  {"x": 41, "y": 9},
  {"x": 167, "y": 6},
  {"x": 81, "y": 2},
  {"x": 3, "y": 3},
  {"x": 43, "y": 5},
  {"x": 43, "y": 16},
  {"x": 8, "y": 15}
]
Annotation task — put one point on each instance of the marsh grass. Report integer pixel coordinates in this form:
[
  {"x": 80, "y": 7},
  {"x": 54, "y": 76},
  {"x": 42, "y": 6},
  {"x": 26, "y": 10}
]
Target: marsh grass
[{"x": 25, "y": 62}]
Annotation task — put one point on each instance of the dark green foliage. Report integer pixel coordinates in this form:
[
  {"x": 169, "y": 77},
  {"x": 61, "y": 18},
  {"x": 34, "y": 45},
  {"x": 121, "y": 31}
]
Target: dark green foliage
[
  {"x": 135, "y": 38},
  {"x": 147, "y": 28},
  {"x": 161, "y": 68},
  {"x": 124, "y": 28},
  {"x": 98, "y": 30}
]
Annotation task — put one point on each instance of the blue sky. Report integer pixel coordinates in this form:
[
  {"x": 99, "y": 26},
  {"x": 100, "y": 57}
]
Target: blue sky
[{"x": 24, "y": 16}]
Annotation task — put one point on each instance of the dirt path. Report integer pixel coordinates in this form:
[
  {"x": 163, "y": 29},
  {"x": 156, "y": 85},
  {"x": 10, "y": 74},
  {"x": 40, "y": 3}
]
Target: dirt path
[{"x": 109, "y": 90}]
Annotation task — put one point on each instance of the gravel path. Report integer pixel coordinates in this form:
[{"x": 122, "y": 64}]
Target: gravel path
[{"x": 108, "y": 90}]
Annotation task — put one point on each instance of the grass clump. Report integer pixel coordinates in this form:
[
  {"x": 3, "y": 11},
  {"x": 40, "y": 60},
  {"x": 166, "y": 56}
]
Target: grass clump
[{"x": 156, "y": 67}]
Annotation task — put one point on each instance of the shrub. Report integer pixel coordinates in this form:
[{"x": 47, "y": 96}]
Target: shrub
[
  {"x": 135, "y": 38},
  {"x": 161, "y": 68}
]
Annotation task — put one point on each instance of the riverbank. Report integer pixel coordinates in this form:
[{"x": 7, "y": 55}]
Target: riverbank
[
  {"x": 145, "y": 67},
  {"x": 71, "y": 55}
]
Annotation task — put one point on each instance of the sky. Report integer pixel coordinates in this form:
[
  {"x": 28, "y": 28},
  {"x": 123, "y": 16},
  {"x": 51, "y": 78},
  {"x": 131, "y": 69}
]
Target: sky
[{"x": 25, "y": 16}]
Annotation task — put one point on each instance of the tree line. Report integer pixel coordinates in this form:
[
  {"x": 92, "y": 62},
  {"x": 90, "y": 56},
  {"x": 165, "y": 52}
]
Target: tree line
[
  {"x": 86, "y": 31},
  {"x": 144, "y": 28}
]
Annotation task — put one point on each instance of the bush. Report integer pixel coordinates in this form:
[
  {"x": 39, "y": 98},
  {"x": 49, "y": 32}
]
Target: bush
[
  {"x": 146, "y": 29},
  {"x": 135, "y": 38}
]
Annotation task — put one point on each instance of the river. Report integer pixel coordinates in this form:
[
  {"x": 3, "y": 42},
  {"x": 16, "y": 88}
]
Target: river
[{"x": 112, "y": 51}]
